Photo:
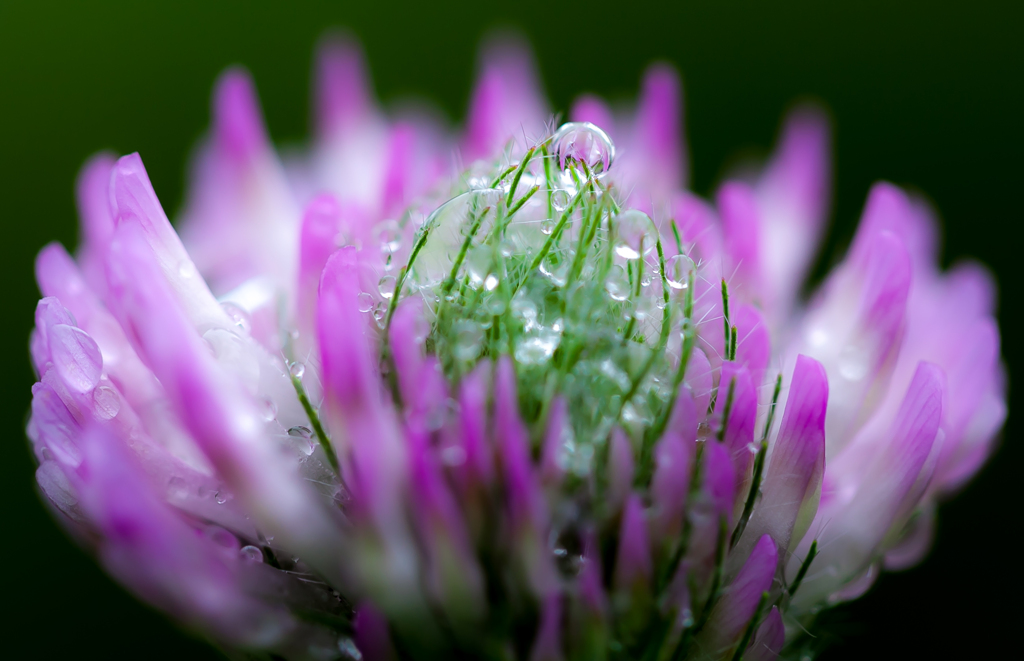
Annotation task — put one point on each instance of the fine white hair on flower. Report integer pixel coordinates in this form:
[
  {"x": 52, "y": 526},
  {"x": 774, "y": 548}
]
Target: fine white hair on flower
[{"x": 543, "y": 404}]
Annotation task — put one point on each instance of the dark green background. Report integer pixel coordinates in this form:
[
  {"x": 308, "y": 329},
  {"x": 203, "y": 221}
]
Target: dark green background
[{"x": 923, "y": 93}]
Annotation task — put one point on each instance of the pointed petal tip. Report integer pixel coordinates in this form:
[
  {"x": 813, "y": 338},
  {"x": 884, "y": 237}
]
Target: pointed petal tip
[
  {"x": 343, "y": 91},
  {"x": 237, "y": 118}
]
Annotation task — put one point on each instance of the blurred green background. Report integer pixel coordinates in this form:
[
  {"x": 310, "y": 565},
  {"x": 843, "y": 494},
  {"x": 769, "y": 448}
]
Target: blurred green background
[{"x": 923, "y": 93}]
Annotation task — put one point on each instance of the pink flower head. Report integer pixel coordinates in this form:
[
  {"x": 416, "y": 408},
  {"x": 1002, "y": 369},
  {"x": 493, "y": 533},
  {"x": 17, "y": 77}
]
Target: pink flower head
[{"x": 543, "y": 404}]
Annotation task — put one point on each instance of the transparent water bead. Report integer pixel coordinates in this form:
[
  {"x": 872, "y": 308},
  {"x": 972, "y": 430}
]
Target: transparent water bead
[
  {"x": 473, "y": 213},
  {"x": 677, "y": 271},
  {"x": 582, "y": 142},
  {"x": 239, "y": 316},
  {"x": 560, "y": 199},
  {"x": 635, "y": 234},
  {"x": 297, "y": 369},
  {"x": 539, "y": 345},
  {"x": 386, "y": 286},
  {"x": 389, "y": 236},
  {"x": 468, "y": 339},
  {"x": 251, "y": 553},
  {"x": 617, "y": 284}
]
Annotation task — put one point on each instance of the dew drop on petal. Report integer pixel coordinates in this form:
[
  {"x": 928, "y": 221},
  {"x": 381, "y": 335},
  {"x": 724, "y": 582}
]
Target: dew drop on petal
[
  {"x": 386, "y": 286},
  {"x": 583, "y": 142},
  {"x": 251, "y": 553},
  {"x": 268, "y": 409},
  {"x": 238, "y": 316},
  {"x": 365, "y": 301},
  {"x": 107, "y": 401},
  {"x": 389, "y": 236}
]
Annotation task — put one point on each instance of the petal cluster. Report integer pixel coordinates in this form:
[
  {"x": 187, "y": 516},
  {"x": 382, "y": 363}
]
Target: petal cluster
[{"x": 508, "y": 393}]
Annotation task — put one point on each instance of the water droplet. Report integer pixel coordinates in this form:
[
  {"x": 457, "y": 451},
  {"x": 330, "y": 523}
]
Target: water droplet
[
  {"x": 221, "y": 497},
  {"x": 468, "y": 340},
  {"x": 636, "y": 234},
  {"x": 238, "y": 316},
  {"x": 366, "y": 302},
  {"x": 107, "y": 402},
  {"x": 386, "y": 286},
  {"x": 297, "y": 369},
  {"x": 538, "y": 345},
  {"x": 616, "y": 284},
  {"x": 854, "y": 362},
  {"x": 582, "y": 142},
  {"x": 389, "y": 236},
  {"x": 555, "y": 269},
  {"x": 268, "y": 409},
  {"x": 506, "y": 248},
  {"x": 523, "y": 307},
  {"x": 478, "y": 262},
  {"x": 186, "y": 269},
  {"x": 251, "y": 553},
  {"x": 495, "y": 305},
  {"x": 453, "y": 455},
  {"x": 380, "y": 311},
  {"x": 490, "y": 282},
  {"x": 348, "y": 649},
  {"x": 677, "y": 271},
  {"x": 560, "y": 199},
  {"x": 448, "y": 227},
  {"x": 177, "y": 489},
  {"x": 300, "y": 431},
  {"x": 222, "y": 538}
]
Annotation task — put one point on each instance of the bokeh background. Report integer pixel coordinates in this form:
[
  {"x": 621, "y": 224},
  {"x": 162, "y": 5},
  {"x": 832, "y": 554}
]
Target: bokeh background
[{"x": 924, "y": 93}]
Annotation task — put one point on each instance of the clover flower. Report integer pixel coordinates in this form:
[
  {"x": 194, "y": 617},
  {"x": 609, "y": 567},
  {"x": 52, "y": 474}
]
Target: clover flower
[{"x": 516, "y": 394}]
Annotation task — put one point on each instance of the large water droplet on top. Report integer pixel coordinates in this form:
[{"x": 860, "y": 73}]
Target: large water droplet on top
[
  {"x": 584, "y": 143},
  {"x": 471, "y": 213}
]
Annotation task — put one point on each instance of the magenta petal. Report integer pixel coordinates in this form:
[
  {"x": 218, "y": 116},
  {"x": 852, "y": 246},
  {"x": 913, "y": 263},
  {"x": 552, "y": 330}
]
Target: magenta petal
[
  {"x": 513, "y": 449},
  {"x": 150, "y": 549},
  {"x": 872, "y": 498},
  {"x": 620, "y": 469},
  {"x": 741, "y": 226},
  {"x": 633, "y": 559},
  {"x": 320, "y": 226},
  {"x": 349, "y": 375},
  {"x": 674, "y": 456},
  {"x": 343, "y": 94},
  {"x": 551, "y": 469},
  {"x": 506, "y": 102},
  {"x": 739, "y": 430},
  {"x": 548, "y": 644},
  {"x": 753, "y": 342},
  {"x": 473, "y": 397},
  {"x": 76, "y": 357},
  {"x": 372, "y": 635},
  {"x": 220, "y": 416},
  {"x": 590, "y": 108},
  {"x": 731, "y": 615},
  {"x": 769, "y": 639},
  {"x": 237, "y": 118},
  {"x": 92, "y": 195},
  {"x": 792, "y": 482},
  {"x": 659, "y": 140}
]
